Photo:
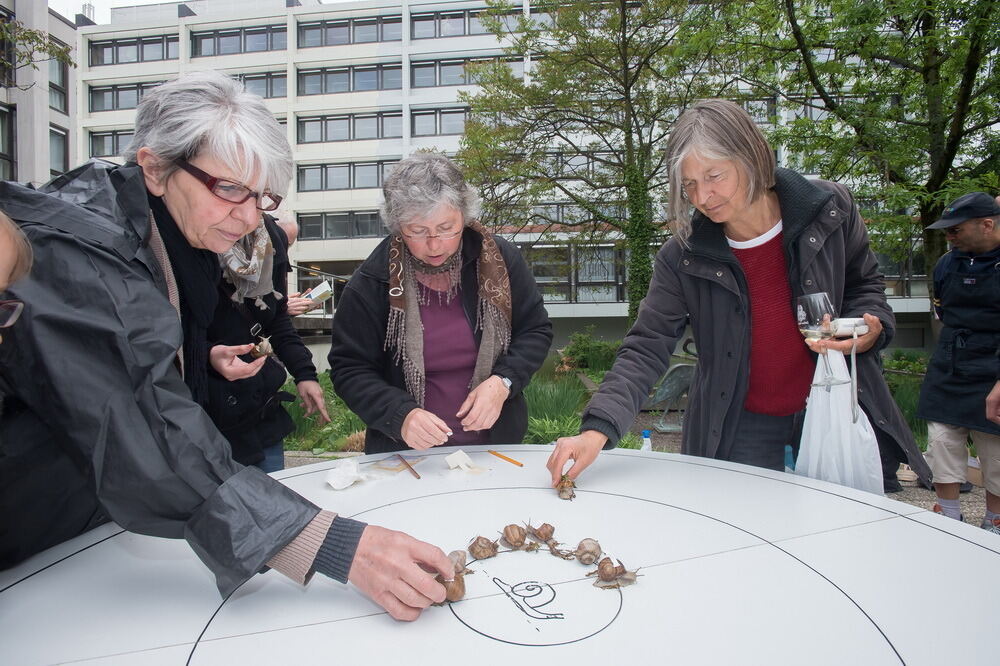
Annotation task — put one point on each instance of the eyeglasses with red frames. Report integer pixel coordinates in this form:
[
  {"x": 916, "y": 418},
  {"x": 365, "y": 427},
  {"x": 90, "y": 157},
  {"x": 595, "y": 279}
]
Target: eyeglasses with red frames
[
  {"x": 231, "y": 191},
  {"x": 9, "y": 312}
]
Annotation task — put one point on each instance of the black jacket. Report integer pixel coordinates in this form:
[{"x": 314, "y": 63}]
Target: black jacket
[
  {"x": 368, "y": 379},
  {"x": 964, "y": 366},
  {"x": 249, "y": 412},
  {"x": 826, "y": 245},
  {"x": 97, "y": 421}
]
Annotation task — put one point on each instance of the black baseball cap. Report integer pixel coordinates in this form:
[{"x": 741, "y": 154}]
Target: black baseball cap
[{"x": 967, "y": 207}]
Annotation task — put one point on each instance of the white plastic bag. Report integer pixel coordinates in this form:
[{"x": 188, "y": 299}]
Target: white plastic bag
[{"x": 838, "y": 443}]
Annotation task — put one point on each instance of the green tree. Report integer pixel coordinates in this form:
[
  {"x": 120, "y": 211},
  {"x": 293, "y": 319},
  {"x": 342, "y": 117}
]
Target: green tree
[
  {"x": 587, "y": 125},
  {"x": 21, "y": 47},
  {"x": 899, "y": 98}
]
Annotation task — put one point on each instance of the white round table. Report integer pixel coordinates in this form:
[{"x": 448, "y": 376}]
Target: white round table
[{"x": 736, "y": 565}]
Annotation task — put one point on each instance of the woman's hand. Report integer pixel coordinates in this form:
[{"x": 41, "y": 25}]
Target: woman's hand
[
  {"x": 481, "y": 408},
  {"x": 422, "y": 430},
  {"x": 226, "y": 361},
  {"x": 582, "y": 449},
  {"x": 297, "y": 305},
  {"x": 865, "y": 342},
  {"x": 313, "y": 399}
]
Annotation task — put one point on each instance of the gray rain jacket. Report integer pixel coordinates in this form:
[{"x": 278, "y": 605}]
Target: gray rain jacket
[
  {"x": 97, "y": 421},
  {"x": 827, "y": 249}
]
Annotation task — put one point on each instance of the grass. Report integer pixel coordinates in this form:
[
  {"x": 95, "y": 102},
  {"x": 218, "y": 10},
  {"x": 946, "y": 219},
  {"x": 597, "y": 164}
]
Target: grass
[{"x": 310, "y": 433}]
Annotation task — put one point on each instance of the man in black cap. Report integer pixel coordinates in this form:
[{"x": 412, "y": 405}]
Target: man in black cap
[{"x": 964, "y": 367}]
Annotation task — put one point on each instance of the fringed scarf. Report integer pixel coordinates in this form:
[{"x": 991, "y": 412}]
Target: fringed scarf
[
  {"x": 405, "y": 331},
  {"x": 248, "y": 265}
]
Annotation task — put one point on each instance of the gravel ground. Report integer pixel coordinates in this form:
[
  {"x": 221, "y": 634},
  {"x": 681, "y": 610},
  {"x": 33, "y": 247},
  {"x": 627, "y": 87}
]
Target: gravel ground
[{"x": 973, "y": 503}]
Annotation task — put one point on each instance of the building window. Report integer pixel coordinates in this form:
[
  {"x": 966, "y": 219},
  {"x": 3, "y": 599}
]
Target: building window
[
  {"x": 143, "y": 49},
  {"x": 8, "y": 162},
  {"x": 551, "y": 268},
  {"x": 268, "y": 86},
  {"x": 58, "y": 150},
  {"x": 350, "y": 176},
  {"x": 454, "y": 24},
  {"x": 454, "y": 72},
  {"x": 58, "y": 77},
  {"x": 350, "y": 31},
  {"x": 321, "y": 129},
  {"x": 349, "y": 79},
  {"x": 116, "y": 98},
  {"x": 241, "y": 40},
  {"x": 109, "y": 144},
  {"x": 355, "y": 224},
  {"x": 8, "y": 53},
  {"x": 436, "y": 122}
]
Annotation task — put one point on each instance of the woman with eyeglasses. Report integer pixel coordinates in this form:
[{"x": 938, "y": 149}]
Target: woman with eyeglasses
[
  {"x": 758, "y": 238},
  {"x": 106, "y": 371},
  {"x": 442, "y": 327}
]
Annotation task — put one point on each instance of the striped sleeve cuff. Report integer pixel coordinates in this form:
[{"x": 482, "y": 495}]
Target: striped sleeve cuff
[
  {"x": 336, "y": 555},
  {"x": 296, "y": 559}
]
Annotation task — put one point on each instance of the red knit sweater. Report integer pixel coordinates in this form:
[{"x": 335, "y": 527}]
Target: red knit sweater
[{"x": 781, "y": 366}]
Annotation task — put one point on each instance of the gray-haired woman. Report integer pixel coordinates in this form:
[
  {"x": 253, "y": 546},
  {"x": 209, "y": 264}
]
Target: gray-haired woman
[
  {"x": 98, "y": 422},
  {"x": 440, "y": 329},
  {"x": 759, "y": 237}
]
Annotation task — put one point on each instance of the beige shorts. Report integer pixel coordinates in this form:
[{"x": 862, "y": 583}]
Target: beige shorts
[{"x": 948, "y": 454}]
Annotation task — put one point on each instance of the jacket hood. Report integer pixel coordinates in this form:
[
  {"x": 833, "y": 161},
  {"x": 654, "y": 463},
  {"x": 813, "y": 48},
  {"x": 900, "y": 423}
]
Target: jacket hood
[
  {"x": 376, "y": 266},
  {"x": 801, "y": 201},
  {"x": 99, "y": 201}
]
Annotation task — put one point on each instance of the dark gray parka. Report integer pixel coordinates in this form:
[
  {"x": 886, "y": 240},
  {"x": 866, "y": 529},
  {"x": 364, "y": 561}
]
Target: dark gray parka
[
  {"x": 826, "y": 246},
  {"x": 97, "y": 421}
]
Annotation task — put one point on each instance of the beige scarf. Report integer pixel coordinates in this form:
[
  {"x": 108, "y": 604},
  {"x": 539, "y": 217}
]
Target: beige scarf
[
  {"x": 248, "y": 264},
  {"x": 405, "y": 331}
]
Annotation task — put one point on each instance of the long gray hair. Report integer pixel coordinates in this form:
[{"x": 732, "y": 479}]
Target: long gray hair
[
  {"x": 717, "y": 129},
  {"x": 419, "y": 184},
  {"x": 210, "y": 113}
]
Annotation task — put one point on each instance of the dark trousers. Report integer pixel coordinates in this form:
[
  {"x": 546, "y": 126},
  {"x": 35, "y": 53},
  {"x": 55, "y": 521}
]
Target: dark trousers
[{"x": 761, "y": 439}]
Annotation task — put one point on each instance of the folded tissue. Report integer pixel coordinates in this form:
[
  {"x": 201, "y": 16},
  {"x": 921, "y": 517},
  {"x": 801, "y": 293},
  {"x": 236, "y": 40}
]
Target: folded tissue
[
  {"x": 344, "y": 473},
  {"x": 461, "y": 460}
]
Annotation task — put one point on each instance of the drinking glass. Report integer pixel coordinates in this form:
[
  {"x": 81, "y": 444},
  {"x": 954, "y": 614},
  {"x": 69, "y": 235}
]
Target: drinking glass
[{"x": 815, "y": 314}]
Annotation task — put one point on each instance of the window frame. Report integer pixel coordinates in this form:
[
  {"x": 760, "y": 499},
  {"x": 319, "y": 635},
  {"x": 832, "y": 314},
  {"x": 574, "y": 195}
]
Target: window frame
[
  {"x": 324, "y": 29},
  {"x": 166, "y": 40},
  {"x": 350, "y": 221},
  {"x": 324, "y": 74},
  {"x": 56, "y": 130},
  {"x": 271, "y": 31}
]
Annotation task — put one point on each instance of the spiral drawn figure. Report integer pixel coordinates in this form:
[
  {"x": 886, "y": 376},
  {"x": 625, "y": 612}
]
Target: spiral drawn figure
[{"x": 529, "y": 596}]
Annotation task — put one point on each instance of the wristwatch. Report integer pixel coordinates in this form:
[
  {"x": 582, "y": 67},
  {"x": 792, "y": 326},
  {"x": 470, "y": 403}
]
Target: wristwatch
[{"x": 506, "y": 382}]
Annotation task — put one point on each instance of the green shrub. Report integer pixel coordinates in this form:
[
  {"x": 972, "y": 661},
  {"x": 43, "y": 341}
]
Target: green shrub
[
  {"x": 905, "y": 374},
  {"x": 630, "y": 441},
  {"x": 310, "y": 433},
  {"x": 555, "y": 399},
  {"x": 545, "y": 430},
  {"x": 585, "y": 351}
]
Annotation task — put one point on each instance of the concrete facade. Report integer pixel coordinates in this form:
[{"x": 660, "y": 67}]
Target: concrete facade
[{"x": 32, "y": 151}]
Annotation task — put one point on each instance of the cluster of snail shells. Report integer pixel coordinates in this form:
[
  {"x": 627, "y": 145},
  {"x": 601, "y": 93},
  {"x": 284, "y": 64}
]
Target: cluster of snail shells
[
  {"x": 482, "y": 548},
  {"x": 588, "y": 551},
  {"x": 455, "y": 589}
]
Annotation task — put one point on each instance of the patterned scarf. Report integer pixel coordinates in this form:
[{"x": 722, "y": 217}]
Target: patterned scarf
[
  {"x": 248, "y": 264},
  {"x": 405, "y": 331}
]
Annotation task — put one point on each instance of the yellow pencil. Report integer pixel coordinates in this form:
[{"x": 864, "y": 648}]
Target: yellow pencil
[{"x": 503, "y": 457}]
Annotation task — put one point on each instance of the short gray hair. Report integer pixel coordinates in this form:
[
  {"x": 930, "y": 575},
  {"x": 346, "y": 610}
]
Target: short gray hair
[
  {"x": 419, "y": 184},
  {"x": 207, "y": 113},
  {"x": 717, "y": 129}
]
